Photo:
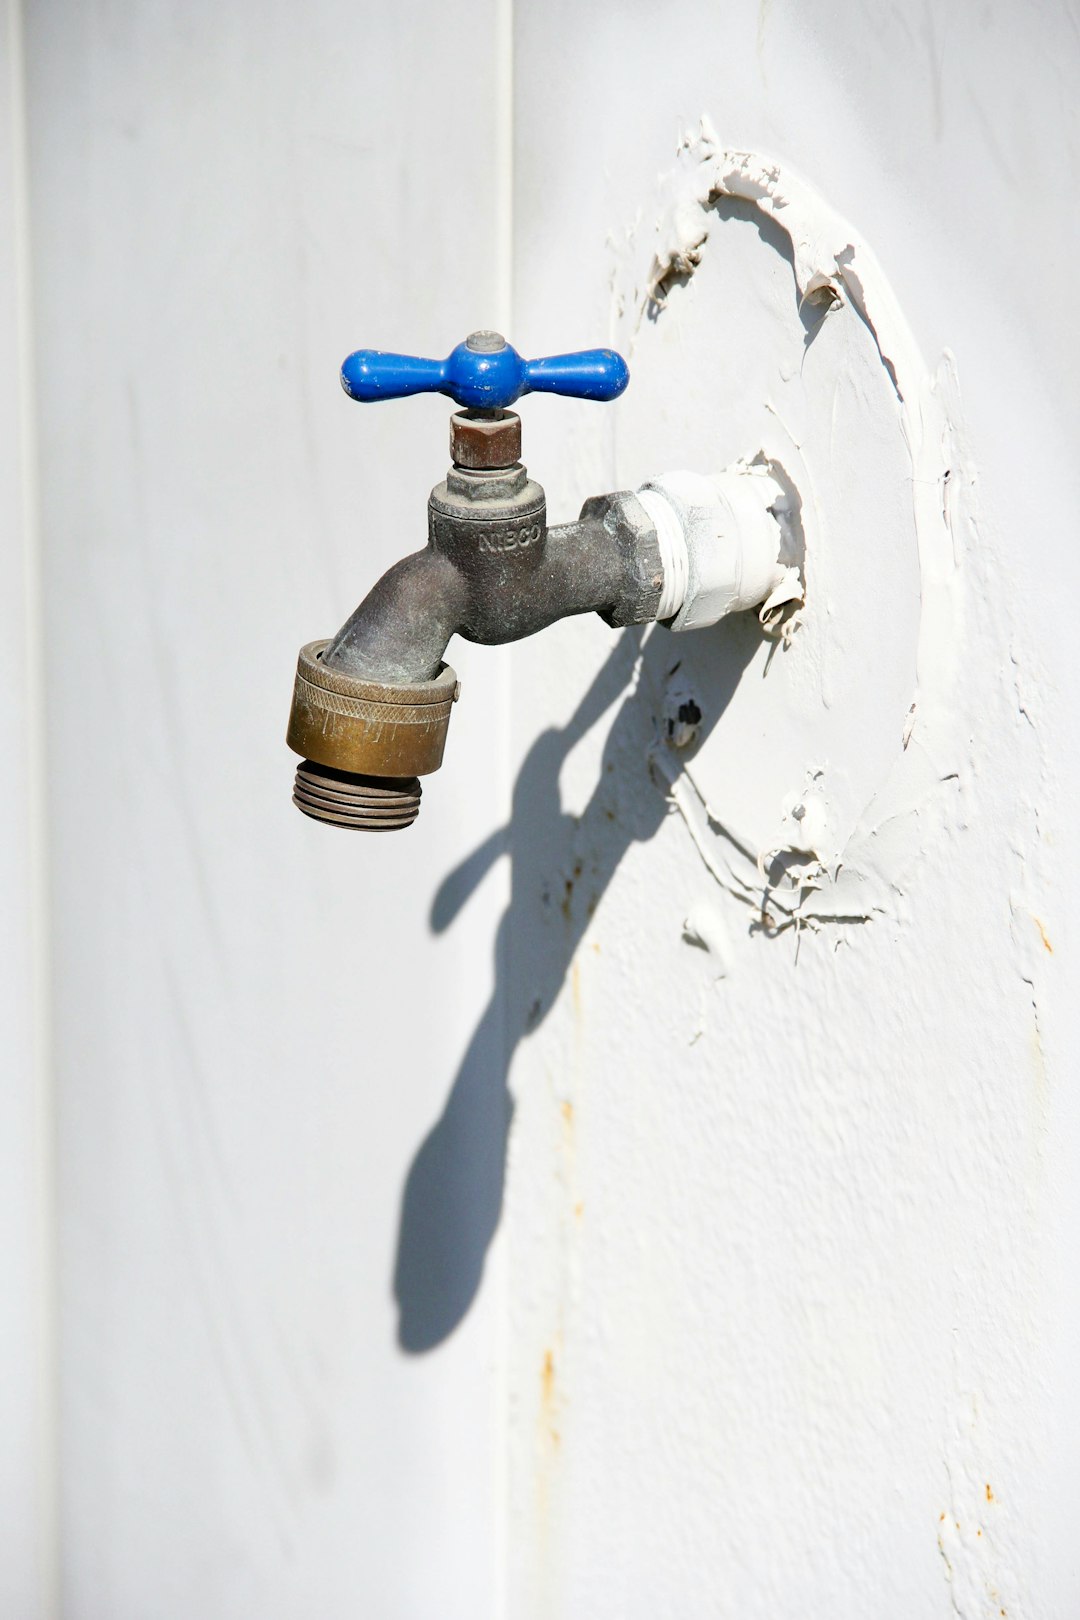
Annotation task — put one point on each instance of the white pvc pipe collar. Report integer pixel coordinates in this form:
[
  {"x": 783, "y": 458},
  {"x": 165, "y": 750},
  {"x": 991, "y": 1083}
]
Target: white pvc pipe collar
[{"x": 720, "y": 545}]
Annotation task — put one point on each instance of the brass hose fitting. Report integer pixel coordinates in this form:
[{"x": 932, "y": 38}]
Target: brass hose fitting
[{"x": 365, "y": 743}]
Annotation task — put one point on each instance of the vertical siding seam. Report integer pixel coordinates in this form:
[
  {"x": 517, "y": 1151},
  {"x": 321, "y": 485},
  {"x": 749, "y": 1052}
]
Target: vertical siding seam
[{"x": 42, "y": 1078}]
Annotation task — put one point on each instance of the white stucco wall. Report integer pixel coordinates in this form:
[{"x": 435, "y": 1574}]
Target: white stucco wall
[
  {"x": 794, "y": 1318},
  {"x": 532, "y": 1215}
]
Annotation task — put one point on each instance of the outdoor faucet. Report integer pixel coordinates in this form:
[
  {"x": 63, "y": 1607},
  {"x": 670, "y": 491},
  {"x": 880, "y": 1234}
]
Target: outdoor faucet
[{"x": 371, "y": 706}]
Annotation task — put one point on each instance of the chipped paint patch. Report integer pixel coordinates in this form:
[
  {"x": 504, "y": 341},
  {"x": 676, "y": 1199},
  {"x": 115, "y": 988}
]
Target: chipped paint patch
[{"x": 682, "y": 716}]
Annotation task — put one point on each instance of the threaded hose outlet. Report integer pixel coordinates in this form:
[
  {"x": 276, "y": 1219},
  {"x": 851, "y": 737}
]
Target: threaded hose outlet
[
  {"x": 365, "y": 744},
  {"x": 364, "y": 803}
]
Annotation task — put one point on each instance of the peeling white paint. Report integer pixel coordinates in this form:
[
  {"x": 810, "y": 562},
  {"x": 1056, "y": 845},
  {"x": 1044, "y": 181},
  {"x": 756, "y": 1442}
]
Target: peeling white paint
[{"x": 834, "y": 265}]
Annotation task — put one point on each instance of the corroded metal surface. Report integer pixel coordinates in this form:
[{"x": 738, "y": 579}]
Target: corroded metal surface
[
  {"x": 369, "y": 728},
  {"x": 484, "y": 439}
]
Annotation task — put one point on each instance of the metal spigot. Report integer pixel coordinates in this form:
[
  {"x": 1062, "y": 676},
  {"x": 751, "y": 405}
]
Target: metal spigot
[{"x": 371, "y": 706}]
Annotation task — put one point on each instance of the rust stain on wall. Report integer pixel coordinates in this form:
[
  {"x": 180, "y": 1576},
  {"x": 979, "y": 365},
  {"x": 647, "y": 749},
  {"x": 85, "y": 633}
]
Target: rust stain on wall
[{"x": 549, "y": 1397}]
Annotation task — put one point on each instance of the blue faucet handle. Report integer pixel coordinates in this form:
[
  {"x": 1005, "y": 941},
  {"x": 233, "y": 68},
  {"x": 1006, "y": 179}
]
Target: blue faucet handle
[{"x": 484, "y": 373}]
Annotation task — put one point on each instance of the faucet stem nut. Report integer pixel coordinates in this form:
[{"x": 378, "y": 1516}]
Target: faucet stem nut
[{"x": 481, "y": 440}]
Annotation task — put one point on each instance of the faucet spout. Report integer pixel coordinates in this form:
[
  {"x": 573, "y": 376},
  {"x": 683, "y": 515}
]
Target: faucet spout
[{"x": 400, "y": 631}]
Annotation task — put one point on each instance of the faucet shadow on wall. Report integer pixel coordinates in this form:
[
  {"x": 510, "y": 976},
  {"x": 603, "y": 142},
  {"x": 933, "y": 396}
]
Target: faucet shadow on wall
[
  {"x": 371, "y": 707},
  {"x": 561, "y": 865}
]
